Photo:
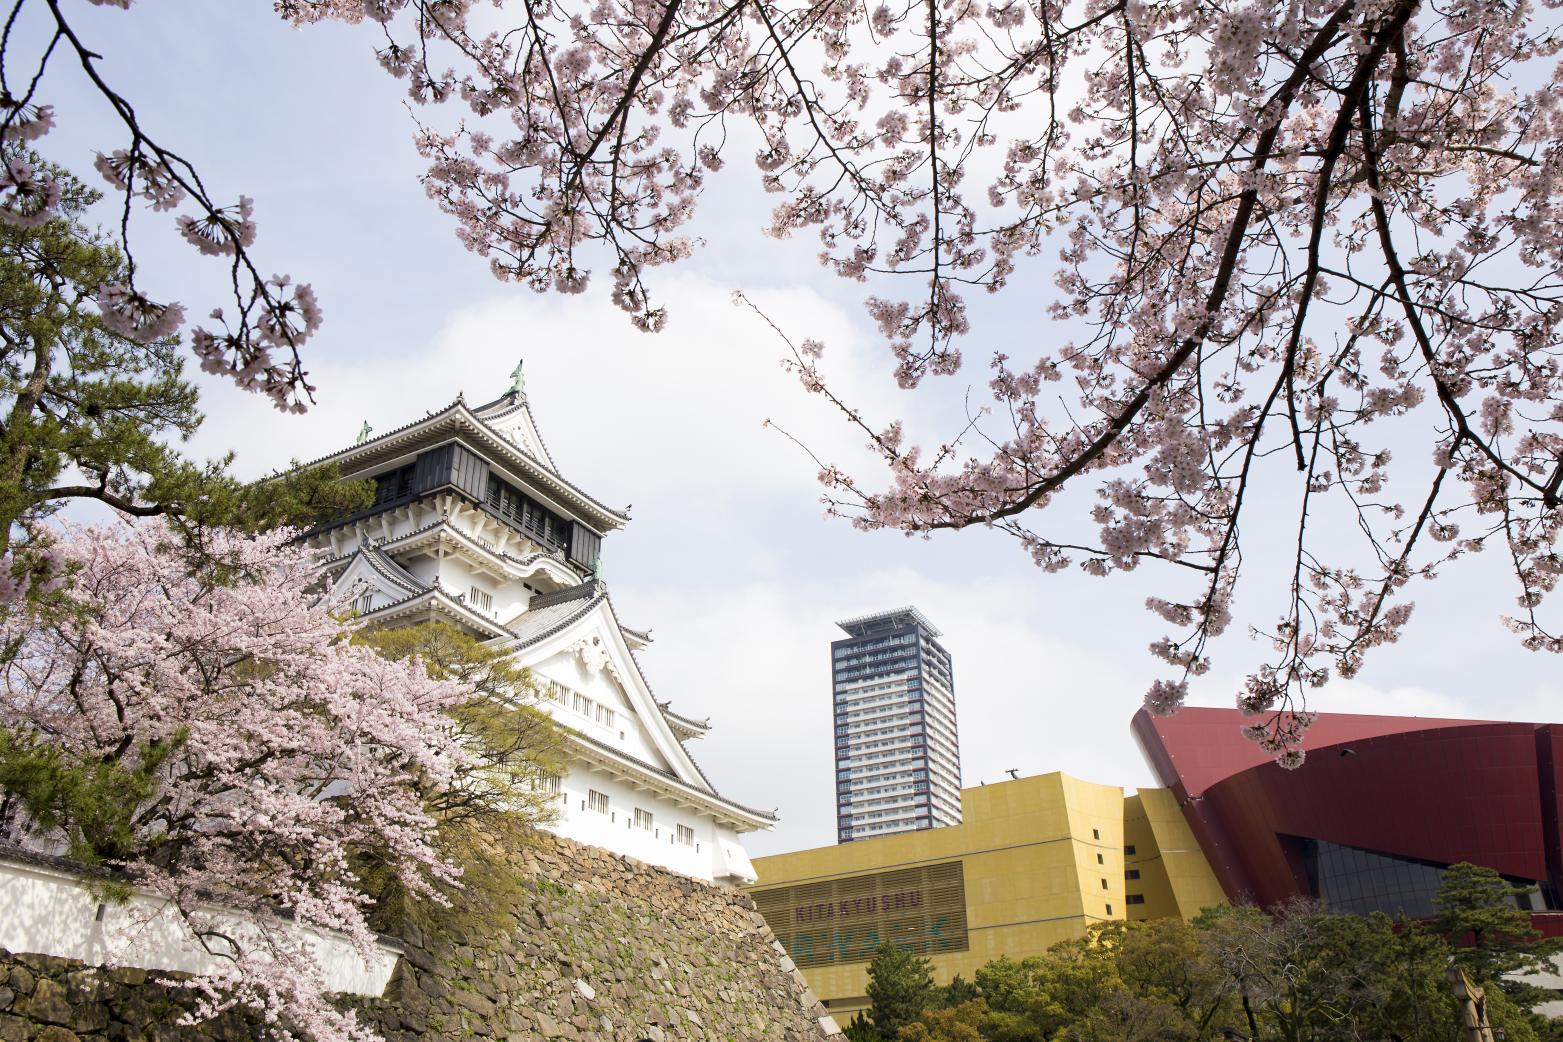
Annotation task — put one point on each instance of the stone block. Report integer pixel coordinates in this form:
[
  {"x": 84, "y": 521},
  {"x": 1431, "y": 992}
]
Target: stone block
[{"x": 48, "y": 1004}]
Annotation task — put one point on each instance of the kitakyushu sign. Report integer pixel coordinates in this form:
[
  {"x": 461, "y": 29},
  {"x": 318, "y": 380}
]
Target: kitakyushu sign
[{"x": 846, "y": 920}]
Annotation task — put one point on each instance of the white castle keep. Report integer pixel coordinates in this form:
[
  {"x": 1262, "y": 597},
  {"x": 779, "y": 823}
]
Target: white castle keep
[{"x": 472, "y": 524}]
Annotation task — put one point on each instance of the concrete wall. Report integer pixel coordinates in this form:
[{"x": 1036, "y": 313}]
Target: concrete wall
[
  {"x": 47, "y": 909},
  {"x": 590, "y": 946}
]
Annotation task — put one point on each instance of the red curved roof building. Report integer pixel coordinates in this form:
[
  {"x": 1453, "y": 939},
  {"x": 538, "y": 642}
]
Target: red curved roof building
[{"x": 1378, "y": 809}]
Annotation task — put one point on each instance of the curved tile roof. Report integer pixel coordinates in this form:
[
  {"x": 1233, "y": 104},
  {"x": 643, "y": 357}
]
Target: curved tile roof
[{"x": 459, "y": 412}]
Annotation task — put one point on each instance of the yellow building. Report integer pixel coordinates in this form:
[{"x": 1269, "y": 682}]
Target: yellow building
[{"x": 1034, "y": 861}]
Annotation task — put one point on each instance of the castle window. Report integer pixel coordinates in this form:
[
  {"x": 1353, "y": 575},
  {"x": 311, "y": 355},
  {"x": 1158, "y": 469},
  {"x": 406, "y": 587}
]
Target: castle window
[
  {"x": 605, "y": 716},
  {"x": 525, "y": 513},
  {"x": 394, "y": 485},
  {"x": 1135, "y": 899},
  {"x": 581, "y": 703},
  {"x": 643, "y": 819},
  {"x": 597, "y": 801},
  {"x": 544, "y": 781},
  {"x": 481, "y": 599},
  {"x": 686, "y": 835},
  {"x": 364, "y": 604}
]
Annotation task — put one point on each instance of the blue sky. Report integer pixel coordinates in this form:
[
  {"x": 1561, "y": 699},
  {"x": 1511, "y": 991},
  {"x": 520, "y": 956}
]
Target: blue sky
[{"x": 729, "y": 559}]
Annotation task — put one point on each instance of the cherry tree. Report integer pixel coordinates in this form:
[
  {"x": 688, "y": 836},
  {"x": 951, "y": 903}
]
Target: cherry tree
[
  {"x": 224, "y": 744},
  {"x": 1289, "y": 236},
  {"x": 255, "y": 339}
]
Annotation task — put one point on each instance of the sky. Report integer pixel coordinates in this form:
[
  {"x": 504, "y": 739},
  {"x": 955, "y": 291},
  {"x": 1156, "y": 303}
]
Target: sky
[{"x": 729, "y": 559}]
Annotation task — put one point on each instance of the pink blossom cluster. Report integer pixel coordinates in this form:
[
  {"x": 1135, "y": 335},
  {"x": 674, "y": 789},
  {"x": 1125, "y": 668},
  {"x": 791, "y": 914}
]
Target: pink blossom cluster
[
  {"x": 259, "y": 346},
  {"x": 288, "y": 753}
]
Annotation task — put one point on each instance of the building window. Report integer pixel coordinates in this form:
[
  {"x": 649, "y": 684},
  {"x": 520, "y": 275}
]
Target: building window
[
  {"x": 686, "y": 835},
  {"x": 1129, "y": 850},
  {"x": 1104, "y": 884},
  {"x": 1100, "y": 860},
  {"x": 643, "y": 819},
  {"x": 481, "y": 599},
  {"x": 1109, "y": 909},
  {"x": 543, "y": 781},
  {"x": 364, "y": 604},
  {"x": 597, "y": 801},
  {"x": 1134, "y": 899},
  {"x": 582, "y": 704},
  {"x": 1131, "y": 873},
  {"x": 605, "y": 716},
  {"x": 1096, "y": 833}
]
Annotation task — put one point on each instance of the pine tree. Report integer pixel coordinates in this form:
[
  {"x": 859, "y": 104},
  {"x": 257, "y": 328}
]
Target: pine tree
[
  {"x": 88, "y": 413},
  {"x": 1492, "y": 936},
  {"x": 900, "y": 987}
]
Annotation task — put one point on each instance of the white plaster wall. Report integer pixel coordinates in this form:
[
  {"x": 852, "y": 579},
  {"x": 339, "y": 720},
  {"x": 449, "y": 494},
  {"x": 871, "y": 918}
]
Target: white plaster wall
[
  {"x": 717, "y": 848},
  {"x": 48, "y": 911},
  {"x": 626, "y": 734}
]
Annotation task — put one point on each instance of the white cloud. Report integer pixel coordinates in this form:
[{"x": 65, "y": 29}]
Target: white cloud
[{"x": 624, "y": 413}]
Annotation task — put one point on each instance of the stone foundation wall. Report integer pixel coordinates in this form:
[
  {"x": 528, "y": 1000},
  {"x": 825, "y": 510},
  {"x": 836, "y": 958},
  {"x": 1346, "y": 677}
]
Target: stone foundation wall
[{"x": 594, "y": 948}]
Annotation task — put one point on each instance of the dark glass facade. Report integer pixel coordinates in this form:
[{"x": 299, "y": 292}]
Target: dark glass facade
[
  {"x": 1360, "y": 881},
  {"x": 1347, "y": 879}
]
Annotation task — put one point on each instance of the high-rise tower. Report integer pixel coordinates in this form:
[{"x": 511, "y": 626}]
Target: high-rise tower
[{"x": 898, "y": 762}]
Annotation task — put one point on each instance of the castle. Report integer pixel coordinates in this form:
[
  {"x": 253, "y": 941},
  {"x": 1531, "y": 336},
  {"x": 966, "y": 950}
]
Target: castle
[{"x": 472, "y": 524}]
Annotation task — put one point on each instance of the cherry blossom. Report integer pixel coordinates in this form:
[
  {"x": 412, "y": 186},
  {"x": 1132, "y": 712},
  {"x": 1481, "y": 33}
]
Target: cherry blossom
[
  {"x": 1284, "y": 240},
  {"x": 130, "y": 314},
  {"x": 28, "y": 195},
  {"x": 282, "y": 750},
  {"x": 266, "y": 330}
]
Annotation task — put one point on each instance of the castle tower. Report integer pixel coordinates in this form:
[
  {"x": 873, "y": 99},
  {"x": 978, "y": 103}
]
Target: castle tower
[{"x": 473, "y": 524}]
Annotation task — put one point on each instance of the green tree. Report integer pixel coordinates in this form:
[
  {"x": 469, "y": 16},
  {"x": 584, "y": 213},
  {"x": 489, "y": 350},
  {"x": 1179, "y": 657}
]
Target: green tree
[
  {"x": 86, "y": 413},
  {"x": 1166, "y": 960},
  {"x": 958, "y": 991},
  {"x": 92, "y": 803},
  {"x": 1305, "y": 973},
  {"x": 900, "y": 988},
  {"x": 859, "y": 1029},
  {"x": 1492, "y": 936},
  {"x": 958, "y": 1022},
  {"x": 499, "y": 795}
]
